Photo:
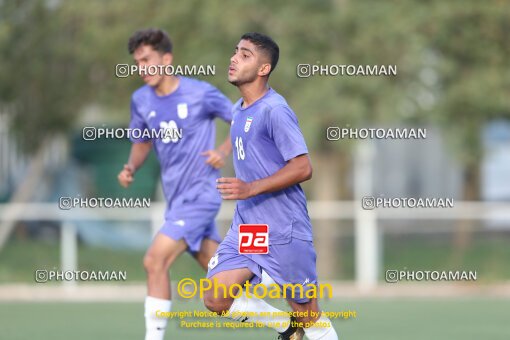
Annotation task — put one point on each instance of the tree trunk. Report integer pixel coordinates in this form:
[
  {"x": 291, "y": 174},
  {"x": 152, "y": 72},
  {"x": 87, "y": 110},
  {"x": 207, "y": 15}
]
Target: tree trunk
[
  {"x": 463, "y": 235},
  {"x": 328, "y": 184}
]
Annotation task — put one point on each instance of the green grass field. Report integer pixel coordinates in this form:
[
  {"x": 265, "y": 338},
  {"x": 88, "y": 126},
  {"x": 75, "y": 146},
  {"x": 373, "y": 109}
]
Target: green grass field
[
  {"x": 394, "y": 319},
  {"x": 489, "y": 256}
]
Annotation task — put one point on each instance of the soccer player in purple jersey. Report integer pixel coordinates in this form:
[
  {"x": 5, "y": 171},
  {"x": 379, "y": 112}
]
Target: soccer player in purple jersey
[
  {"x": 270, "y": 160},
  {"x": 189, "y": 165}
]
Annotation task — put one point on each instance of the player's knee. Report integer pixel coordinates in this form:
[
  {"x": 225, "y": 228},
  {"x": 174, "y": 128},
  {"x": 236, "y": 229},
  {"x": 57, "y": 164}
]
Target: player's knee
[
  {"x": 216, "y": 304},
  {"x": 153, "y": 264}
]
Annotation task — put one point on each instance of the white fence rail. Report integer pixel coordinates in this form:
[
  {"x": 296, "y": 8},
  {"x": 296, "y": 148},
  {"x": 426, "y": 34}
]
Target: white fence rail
[{"x": 365, "y": 223}]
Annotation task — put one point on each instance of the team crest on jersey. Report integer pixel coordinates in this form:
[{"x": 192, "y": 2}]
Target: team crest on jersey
[
  {"x": 182, "y": 110},
  {"x": 248, "y": 124}
]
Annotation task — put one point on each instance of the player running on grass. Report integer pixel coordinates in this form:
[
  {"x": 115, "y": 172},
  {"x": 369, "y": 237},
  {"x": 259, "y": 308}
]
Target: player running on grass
[
  {"x": 188, "y": 166},
  {"x": 270, "y": 160}
]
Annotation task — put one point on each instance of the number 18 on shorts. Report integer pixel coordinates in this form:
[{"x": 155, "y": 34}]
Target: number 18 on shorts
[{"x": 253, "y": 239}]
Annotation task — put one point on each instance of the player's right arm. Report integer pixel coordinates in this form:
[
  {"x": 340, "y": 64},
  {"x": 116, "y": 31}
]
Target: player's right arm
[{"x": 137, "y": 156}]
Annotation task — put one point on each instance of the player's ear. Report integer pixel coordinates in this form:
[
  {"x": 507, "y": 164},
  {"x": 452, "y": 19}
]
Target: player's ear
[
  {"x": 264, "y": 69},
  {"x": 168, "y": 58}
]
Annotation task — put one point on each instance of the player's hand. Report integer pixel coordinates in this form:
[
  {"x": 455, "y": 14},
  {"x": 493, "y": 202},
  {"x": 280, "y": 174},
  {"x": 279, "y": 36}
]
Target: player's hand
[
  {"x": 125, "y": 177},
  {"x": 215, "y": 158},
  {"x": 233, "y": 188}
]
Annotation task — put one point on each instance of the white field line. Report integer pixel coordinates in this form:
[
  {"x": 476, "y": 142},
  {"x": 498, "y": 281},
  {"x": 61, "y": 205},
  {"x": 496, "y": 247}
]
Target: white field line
[{"x": 341, "y": 290}]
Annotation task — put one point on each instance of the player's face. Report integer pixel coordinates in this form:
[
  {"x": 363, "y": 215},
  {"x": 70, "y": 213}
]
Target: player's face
[
  {"x": 145, "y": 56},
  {"x": 247, "y": 64}
]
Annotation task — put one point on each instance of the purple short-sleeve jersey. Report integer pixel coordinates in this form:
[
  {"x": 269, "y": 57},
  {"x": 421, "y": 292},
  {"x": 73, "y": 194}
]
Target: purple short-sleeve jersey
[
  {"x": 191, "y": 109},
  {"x": 266, "y": 135}
]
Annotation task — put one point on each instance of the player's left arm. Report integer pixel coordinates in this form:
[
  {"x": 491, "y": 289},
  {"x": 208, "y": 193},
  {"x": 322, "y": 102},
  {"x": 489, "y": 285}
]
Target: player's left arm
[
  {"x": 297, "y": 170},
  {"x": 216, "y": 158},
  {"x": 219, "y": 106}
]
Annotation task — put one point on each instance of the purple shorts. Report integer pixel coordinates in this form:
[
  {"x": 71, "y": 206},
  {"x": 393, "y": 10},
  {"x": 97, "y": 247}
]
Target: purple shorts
[
  {"x": 193, "y": 222},
  {"x": 290, "y": 263}
]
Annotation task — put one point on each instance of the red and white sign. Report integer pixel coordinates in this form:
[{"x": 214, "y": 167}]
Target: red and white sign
[{"x": 253, "y": 239}]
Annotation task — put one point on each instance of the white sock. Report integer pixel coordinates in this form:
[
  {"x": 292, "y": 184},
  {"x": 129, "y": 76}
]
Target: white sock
[
  {"x": 321, "y": 330},
  {"x": 266, "y": 279},
  {"x": 155, "y": 326},
  {"x": 256, "y": 306}
]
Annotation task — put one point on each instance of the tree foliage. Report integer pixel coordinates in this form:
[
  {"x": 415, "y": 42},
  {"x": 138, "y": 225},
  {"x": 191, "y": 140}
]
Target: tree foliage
[{"x": 58, "y": 57}]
